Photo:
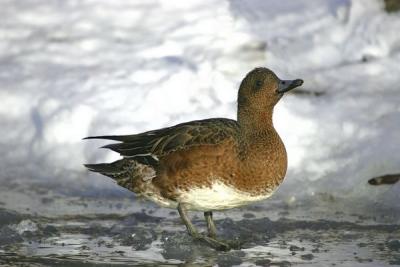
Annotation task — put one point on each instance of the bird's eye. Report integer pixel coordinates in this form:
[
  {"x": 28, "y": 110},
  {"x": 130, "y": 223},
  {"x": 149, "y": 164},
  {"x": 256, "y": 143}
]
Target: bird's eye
[{"x": 258, "y": 84}]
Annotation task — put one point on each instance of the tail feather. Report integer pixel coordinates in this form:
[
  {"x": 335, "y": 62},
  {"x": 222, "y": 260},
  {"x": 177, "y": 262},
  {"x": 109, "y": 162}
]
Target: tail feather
[
  {"x": 129, "y": 173},
  {"x": 146, "y": 136},
  {"x": 108, "y": 168},
  {"x": 110, "y": 137}
]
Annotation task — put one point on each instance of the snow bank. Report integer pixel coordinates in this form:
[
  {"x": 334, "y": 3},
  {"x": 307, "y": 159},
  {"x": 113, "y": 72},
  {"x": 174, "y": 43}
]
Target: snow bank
[
  {"x": 348, "y": 52},
  {"x": 75, "y": 68}
]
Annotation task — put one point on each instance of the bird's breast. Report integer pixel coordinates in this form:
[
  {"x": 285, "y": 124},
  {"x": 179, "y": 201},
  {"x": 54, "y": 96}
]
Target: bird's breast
[
  {"x": 218, "y": 196},
  {"x": 264, "y": 166}
]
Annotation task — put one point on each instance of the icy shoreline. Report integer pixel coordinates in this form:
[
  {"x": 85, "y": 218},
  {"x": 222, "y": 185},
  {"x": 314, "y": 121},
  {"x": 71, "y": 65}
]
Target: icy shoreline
[{"x": 138, "y": 238}]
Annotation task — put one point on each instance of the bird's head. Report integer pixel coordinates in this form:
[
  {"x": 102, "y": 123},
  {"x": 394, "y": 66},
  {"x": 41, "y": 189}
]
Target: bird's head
[
  {"x": 262, "y": 89},
  {"x": 259, "y": 92}
]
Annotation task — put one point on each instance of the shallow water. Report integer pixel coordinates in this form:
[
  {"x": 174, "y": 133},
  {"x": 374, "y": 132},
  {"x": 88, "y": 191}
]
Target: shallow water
[{"x": 155, "y": 237}]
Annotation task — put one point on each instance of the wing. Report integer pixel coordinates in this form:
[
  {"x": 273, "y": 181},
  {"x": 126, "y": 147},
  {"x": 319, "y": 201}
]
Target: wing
[{"x": 151, "y": 145}]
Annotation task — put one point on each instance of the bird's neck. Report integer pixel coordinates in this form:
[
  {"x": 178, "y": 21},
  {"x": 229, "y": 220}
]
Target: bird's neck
[
  {"x": 260, "y": 145},
  {"x": 255, "y": 124}
]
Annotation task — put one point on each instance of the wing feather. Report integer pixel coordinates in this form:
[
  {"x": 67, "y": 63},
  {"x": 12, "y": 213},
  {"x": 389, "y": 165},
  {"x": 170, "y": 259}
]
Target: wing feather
[{"x": 161, "y": 142}]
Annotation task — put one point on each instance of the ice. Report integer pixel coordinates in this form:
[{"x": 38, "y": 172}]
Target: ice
[
  {"x": 26, "y": 226},
  {"x": 282, "y": 242}
]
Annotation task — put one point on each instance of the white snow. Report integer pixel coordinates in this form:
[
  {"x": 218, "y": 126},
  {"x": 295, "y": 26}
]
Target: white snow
[{"x": 69, "y": 69}]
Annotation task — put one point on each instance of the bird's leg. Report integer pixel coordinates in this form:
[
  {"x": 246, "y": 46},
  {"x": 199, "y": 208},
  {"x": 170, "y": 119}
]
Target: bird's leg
[
  {"x": 193, "y": 232},
  {"x": 212, "y": 230},
  {"x": 189, "y": 226}
]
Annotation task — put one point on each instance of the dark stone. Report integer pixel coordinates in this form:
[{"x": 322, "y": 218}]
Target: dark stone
[
  {"x": 263, "y": 262},
  {"x": 362, "y": 245},
  {"x": 392, "y": 5},
  {"x": 28, "y": 234},
  {"x": 140, "y": 217},
  {"x": 46, "y": 200},
  {"x": 307, "y": 257},
  {"x": 296, "y": 248},
  {"x": 9, "y": 217},
  {"x": 395, "y": 261},
  {"x": 9, "y": 236},
  {"x": 95, "y": 229},
  {"x": 141, "y": 239},
  {"x": 282, "y": 264},
  {"x": 394, "y": 245},
  {"x": 228, "y": 260},
  {"x": 177, "y": 245},
  {"x": 49, "y": 230}
]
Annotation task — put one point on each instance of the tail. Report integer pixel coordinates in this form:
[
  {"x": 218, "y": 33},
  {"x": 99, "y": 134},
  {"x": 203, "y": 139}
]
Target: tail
[
  {"x": 118, "y": 170},
  {"x": 108, "y": 169},
  {"x": 385, "y": 179},
  {"x": 127, "y": 173}
]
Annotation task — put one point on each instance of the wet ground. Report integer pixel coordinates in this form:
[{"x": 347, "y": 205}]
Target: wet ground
[{"x": 156, "y": 237}]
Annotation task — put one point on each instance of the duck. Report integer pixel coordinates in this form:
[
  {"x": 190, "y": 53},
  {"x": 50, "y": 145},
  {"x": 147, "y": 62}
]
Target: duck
[{"x": 211, "y": 164}]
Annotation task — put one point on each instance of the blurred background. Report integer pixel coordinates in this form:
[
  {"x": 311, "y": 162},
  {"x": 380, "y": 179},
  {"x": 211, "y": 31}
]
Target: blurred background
[{"x": 70, "y": 69}]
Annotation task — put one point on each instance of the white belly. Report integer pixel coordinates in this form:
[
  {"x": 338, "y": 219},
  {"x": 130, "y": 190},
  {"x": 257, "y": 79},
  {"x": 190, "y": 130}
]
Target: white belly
[{"x": 218, "y": 197}]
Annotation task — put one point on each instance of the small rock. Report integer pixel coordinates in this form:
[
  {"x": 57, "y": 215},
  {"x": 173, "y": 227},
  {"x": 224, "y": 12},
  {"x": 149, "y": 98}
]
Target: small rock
[
  {"x": 46, "y": 200},
  {"x": 296, "y": 248},
  {"x": 177, "y": 245},
  {"x": 395, "y": 261},
  {"x": 362, "y": 245},
  {"x": 140, "y": 239},
  {"x": 393, "y": 245},
  {"x": 228, "y": 260},
  {"x": 263, "y": 262},
  {"x": 282, "y": 264},
  {"x": 9, "y": 236},
  {"x": 95, "y": 229},
  {"x": 49, "y": 230},
  {"x": 307, "y": 257},
  {"x": 9, "y": 217},
  {"x": 392, "y": 5},
  {"x": 315, "y": 250},
  {"x": 28, "y": 235}
]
